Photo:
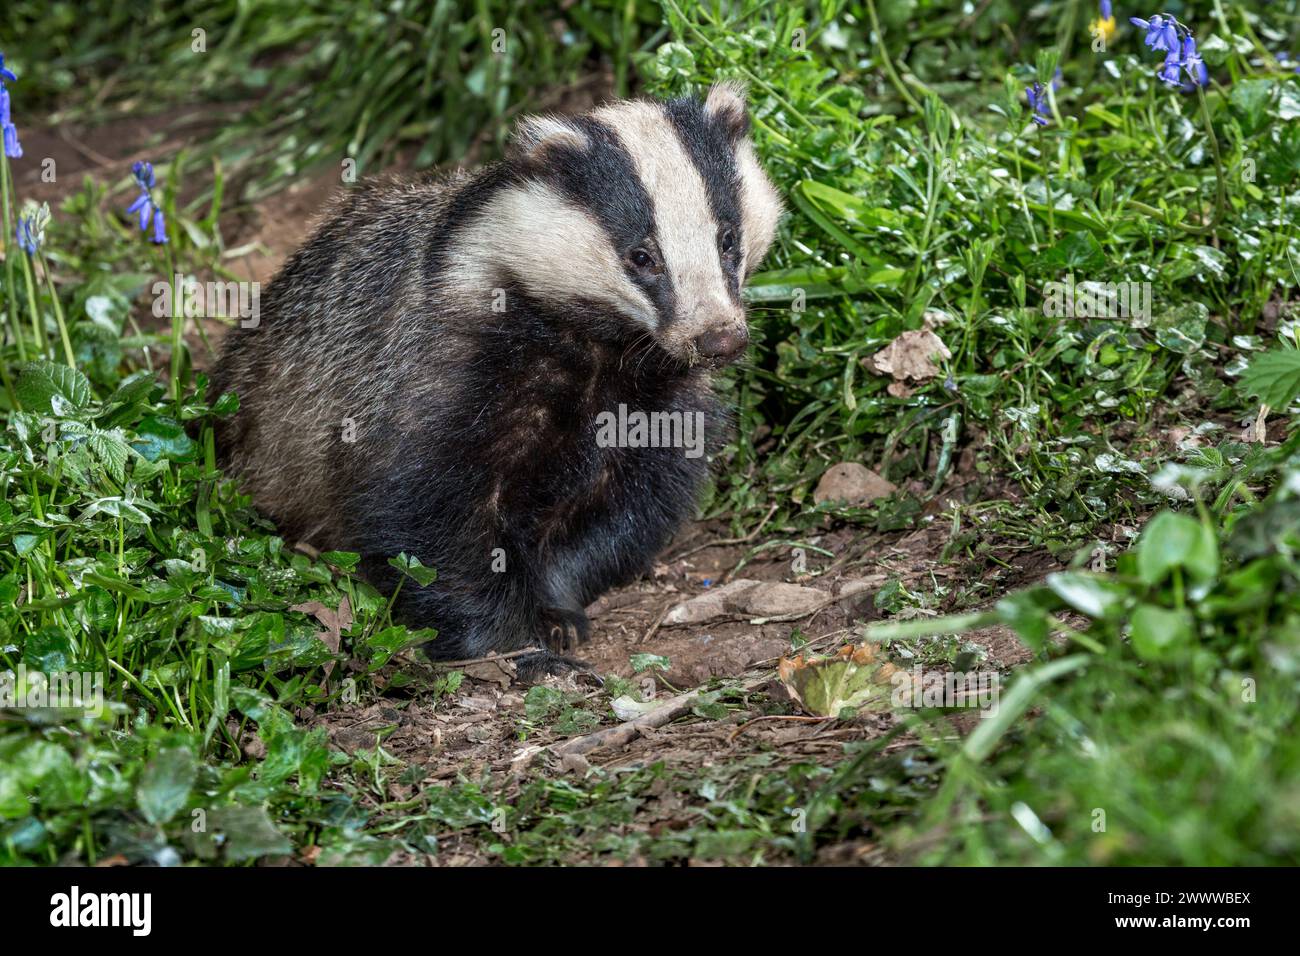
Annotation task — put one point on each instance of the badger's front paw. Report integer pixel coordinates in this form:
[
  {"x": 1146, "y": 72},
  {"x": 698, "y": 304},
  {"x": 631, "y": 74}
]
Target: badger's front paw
[
  {"x": 564, "y": 629},
  {"x": 531, "y": 668}
]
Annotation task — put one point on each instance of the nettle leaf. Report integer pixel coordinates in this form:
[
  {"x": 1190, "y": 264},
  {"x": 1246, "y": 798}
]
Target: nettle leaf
[
  {"x": 1172, "y": 541},
  {"x": 111, "y": 449},
  {"x": 1274, "y": 377},
  {"x": 52, "y": 388},
  {"x": 165, "y": 784}
]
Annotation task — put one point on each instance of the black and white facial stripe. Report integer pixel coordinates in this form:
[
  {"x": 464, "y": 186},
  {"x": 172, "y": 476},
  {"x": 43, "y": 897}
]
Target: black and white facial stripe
[{"x": 658, "y": 210}]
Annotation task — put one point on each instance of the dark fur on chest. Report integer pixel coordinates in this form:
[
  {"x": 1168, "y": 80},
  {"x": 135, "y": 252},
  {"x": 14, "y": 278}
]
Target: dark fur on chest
[
  {"x": 380, "y": 415},
  {"x": 507, "y": 492}
]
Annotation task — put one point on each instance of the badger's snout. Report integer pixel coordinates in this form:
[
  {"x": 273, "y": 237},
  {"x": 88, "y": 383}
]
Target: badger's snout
[{"x": 722, "y": 344}]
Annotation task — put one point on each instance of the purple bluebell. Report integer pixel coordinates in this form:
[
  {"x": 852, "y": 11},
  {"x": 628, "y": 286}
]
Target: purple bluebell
[
  {"x": 1106, "y": 12},
  {"x": 1037, "y": 97},
  {"x": 28, "y": 240},
  {"x": 144, "y": 204},
  {"x": 1162, "y": 32},
  {"x": 1172, "y": 71},
  {"x": 1193, "y": 65},
  {"x": 13, "y": 149}
]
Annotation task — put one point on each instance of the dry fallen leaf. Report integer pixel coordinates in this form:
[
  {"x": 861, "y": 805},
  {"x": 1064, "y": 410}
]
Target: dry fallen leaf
[
  {"x": 910, "y": 357},
  {"x": 851, "y": 679},
  {"x": 335, "y": 622}
]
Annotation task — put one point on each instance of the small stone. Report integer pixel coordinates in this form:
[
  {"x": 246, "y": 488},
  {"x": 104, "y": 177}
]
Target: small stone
[{"x": 851, "y": 483}]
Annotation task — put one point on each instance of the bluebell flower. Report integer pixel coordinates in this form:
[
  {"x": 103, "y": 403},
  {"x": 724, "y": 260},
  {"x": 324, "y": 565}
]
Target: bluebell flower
[
  {"x": 1193, "y": 65},
  {"x": 31, "y": 229},
  {"x": 1037, "y": 97},
  {"x": 13, "y": 149},
  {"x": 144, "y": 204},
  {"x": 26, "y": 240},
  {"x": 1162, "y": 34},
  {"x": 1172, "y": 72}
]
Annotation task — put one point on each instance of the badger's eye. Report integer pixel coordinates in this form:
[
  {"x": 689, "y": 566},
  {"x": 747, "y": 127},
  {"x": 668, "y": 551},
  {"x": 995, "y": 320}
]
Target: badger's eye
[
  {"x": 728, "y": 240},
  {"x": 644, "y": 260}
]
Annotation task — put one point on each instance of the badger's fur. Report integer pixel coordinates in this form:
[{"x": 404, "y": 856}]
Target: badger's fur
[{"x": 427, "y": 371}]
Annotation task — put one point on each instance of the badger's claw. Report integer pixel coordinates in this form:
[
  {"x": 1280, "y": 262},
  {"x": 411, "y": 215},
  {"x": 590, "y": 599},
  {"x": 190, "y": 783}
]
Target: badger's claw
[{"x": 564, "y": 629}]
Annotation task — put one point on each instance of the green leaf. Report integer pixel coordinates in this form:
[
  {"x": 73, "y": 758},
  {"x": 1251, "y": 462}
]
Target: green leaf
[
  {"x": 57, "y": 389},
  {"x": 249, "y": 833},
  {"x": 1015, "y": 702},
  {"x": 111, "y": 449},
  {"x": 165, "y": 784},
  {"x": 1172, "y": 541},
  {"x": 410, "y": 566},
  {"x": 1157, "y": 631},
  {"x": 1076, "y": 250},
  {"x": 161, "y": 438},
  {"x": 1095, "y": 595},
  {"x": 1274, "y": 378}
]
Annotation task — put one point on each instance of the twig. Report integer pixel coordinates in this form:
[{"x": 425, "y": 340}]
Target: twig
[
  {"x": 483, "y": 660},
  {"x": 626, "y": 732},
  {"x": 654, "y": 629},
  {"x": 724, "y": 542},
  {"x": 795, "y": 717}
]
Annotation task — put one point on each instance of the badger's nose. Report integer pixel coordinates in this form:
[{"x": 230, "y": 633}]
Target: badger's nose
[{"x": 724, "y": 344}]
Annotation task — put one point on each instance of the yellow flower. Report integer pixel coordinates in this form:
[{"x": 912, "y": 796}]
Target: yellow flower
[{"x": 1103, "y": 28}]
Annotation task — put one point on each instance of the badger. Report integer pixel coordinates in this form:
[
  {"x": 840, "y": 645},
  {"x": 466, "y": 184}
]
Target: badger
[{"x": 429, "y": 373}]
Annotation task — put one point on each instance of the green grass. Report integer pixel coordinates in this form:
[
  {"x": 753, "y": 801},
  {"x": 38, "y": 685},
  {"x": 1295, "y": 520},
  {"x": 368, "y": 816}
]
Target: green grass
[{"x": 920, "y": 195}]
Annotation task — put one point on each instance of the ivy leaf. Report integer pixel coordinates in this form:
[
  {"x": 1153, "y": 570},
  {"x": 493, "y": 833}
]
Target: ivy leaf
[
  {"x": 159, "y": 438},
  {"x": 410, "y": 566},
  {"x": 165, "y": 784},
  {"x": 1274, "y": 377}
]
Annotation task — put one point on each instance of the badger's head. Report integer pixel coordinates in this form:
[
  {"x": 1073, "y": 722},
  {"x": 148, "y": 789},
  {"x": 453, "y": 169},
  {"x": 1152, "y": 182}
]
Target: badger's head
[{"x": 657, "y": 211}]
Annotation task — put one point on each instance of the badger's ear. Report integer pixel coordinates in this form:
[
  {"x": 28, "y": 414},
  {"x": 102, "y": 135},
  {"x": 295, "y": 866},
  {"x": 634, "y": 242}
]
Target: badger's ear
[
  {"x": 535, "y": 136},
  {"x": 726, "y": 105}
]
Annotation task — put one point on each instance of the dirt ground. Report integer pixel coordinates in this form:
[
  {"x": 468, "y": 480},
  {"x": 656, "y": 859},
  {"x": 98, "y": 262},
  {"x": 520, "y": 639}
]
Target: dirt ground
[{"x": 472, "y": 730}]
